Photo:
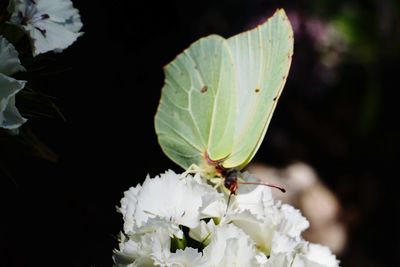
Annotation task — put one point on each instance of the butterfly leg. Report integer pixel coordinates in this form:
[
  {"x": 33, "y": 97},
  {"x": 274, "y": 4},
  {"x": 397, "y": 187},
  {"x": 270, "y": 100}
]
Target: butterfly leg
[{"x": 193, "y": 169}]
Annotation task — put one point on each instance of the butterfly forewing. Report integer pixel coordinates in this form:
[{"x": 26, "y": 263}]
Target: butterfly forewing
[{"x": 262, "y": 59}]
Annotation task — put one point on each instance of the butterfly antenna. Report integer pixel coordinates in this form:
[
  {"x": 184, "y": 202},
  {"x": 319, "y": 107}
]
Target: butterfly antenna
[{"x": 283, "y": 190}]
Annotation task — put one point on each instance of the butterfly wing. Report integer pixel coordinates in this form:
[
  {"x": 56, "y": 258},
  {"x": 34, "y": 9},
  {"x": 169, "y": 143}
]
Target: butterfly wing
[
  {"x": 196, "y": 113},
  {"x": 262, "y": 59},
  {"x": 219, "y": 95}
]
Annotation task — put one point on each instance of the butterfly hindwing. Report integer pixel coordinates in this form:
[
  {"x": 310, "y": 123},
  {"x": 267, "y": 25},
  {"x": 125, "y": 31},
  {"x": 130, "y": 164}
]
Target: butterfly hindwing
[{"x": 196, "y": 111}]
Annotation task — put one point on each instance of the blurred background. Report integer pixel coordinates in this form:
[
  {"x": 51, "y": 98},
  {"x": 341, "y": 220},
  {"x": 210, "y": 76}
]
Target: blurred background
[{"x": 336, "y": 122}]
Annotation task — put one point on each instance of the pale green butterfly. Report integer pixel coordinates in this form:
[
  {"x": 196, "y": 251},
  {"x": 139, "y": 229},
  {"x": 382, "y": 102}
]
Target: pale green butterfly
[{"x": 219, "y": 96}]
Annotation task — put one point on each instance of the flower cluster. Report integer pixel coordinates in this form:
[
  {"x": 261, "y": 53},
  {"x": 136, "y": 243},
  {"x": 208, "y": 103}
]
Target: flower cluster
[
  {"x": 51, "y": 25},
  {"x": 177, "y": 220}
]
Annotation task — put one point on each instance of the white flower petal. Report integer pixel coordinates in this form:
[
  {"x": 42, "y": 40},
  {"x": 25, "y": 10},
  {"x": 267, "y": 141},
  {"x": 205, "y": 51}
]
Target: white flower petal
[
  {"x": 10, "y": 118},
  {"x": 261, "y": 259},
  {"x": 282, "y": 243},
  {"x": 203, "y": 232},
  {"x": 50, "y": 39},
  {"x": 261, "y": 232},
  {"x": 284, "y": 250},
  {"x": 291, "y": 221},
  {"x": 170, "y": 196},
  {"x": 295, "y": 252},
  {"x": 274, "y": 219},
  {"x": 153, "y": 224},
  {"x": 189, "y": 257},
  {"x": 213, "y": 206},
  {"x": 316, "y": 256},
  {"x": 161, "y": 249},
  {"x": 60, "y": 10},
  {"x": 9, "y": 61},
  {"x": 140, "y": 249},
  {"x": 281, "y": 260},
  {"x": 128, "y": 207},
  {"x": 230, "y": 246},
  {"x": 256, "y": 200}
]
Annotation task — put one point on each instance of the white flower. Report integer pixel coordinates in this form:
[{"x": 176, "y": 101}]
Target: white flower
[
  {"x": 52, "y": 25},
  {"x": 170, "y": 196},
  {"x": 171, "y": 212},
  {"x": 10, "y": 118},
  {"x": 165, "y": 202}
]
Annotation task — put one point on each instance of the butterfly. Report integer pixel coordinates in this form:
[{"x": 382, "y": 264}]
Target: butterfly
[{"x": 219, "y": 96}]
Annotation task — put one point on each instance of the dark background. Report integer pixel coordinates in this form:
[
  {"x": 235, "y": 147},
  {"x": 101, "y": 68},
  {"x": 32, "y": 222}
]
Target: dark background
[{"x": 340, "y": 117}]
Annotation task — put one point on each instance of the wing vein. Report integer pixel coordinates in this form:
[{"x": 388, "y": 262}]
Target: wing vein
[
  {"x": 177, "y": 133},
  {"x": 175, "y": 104},
  {"x": 172, "y": 77},
  {"x": 196, "y": 125},
  {"x": 215, "y": 102}
]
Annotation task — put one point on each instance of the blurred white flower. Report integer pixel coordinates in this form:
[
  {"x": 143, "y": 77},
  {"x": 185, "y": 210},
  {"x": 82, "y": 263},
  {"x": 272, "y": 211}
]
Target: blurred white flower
[
  {"x": 10, "y": 118},
  {"x": 52, "y": 25}
]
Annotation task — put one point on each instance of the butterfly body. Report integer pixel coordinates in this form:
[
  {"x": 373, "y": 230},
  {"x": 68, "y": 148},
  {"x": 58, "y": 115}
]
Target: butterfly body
[
  {"x": 231, "y": 179},
  {"x": 230, "y": 175}
]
